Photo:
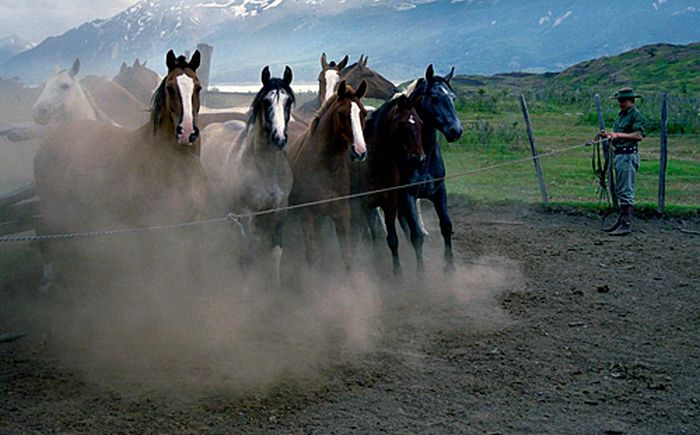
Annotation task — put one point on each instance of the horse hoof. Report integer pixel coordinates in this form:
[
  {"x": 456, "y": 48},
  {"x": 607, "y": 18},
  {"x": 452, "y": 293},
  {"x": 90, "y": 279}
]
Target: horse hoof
[{"x": 449, "y": 268}]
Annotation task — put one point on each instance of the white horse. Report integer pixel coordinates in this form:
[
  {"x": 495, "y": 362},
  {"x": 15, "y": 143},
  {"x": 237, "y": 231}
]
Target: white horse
[
  {"x": 65, "y": 100},
  {"x": 247, "y": 167}
]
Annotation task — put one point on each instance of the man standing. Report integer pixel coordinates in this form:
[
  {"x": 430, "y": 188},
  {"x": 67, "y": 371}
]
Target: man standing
[{"x": 628, "y": 132}]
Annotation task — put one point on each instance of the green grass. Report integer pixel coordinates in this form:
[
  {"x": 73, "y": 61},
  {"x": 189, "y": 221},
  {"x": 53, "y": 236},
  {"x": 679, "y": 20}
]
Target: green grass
[{"x": 568, "y": 176}]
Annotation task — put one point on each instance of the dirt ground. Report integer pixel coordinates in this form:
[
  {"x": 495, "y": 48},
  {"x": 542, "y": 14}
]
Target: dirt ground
[{"x": 549, "y": 326}]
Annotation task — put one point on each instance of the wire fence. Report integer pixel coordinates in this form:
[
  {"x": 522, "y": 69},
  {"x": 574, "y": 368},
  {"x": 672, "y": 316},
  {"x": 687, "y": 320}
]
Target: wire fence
[{"x": 236, "y": 218}]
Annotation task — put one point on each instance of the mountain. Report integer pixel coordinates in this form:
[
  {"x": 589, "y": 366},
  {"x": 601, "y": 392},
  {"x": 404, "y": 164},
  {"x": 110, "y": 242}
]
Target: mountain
[
  {"x": 400, "y": 36},
  {"x": 12, "y": 45}
]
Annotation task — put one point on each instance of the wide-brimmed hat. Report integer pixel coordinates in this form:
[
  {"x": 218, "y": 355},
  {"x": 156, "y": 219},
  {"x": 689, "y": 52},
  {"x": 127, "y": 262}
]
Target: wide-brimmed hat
[{"x": 626, "y": 93}]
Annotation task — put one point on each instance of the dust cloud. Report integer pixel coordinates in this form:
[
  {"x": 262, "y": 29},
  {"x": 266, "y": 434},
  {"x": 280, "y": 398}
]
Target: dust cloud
[
  {"x": 141, "y": 321},
  {"x": 175, "y": 311}
]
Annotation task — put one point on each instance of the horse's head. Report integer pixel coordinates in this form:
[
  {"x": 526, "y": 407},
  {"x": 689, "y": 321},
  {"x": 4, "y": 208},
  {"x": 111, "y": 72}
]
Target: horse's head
[
  {"x": 329, "y": 77},
  {"x": 62, "y": 99},
  {"x": 434, "y": 98},
  {"x": 349, "y": 118},
  {"x": 377, "y": 86},
  {"x": 405, "y": 129},
  {"x": 137, "y": 79},
  {"x": 273, "y": 106},
  {"x": 175, "y": 104}
]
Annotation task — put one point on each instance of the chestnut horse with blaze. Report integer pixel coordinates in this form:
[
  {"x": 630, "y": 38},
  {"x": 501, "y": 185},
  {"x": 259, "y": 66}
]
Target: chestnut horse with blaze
[
  {"x": 321, "y": 165},
  {"x": 93, "y": 176}
]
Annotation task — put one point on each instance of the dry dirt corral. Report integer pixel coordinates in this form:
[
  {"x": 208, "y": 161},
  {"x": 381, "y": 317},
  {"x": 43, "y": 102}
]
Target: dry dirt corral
[{"x": 556, "y": 328}]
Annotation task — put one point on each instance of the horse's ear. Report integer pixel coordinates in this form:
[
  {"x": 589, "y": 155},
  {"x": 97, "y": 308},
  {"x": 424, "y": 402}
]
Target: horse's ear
[
  {"x": 170, "y": 60},
  {"x": 449, "y": 76},
  {"x": 144, "y": 63},
  {"x": 365, "y": 61},
  {"x": 136, "y": 63},
  {"x": 342, "y": 89},
  {"x": 75, "y": 69},
  {"x": 265, "y": 76},
  {"x": 324, "y": 61},
  {"x": 195, "y": 61},
  {"x": 56, "y": 68},
  {"x": 123, "y": 68},
  {"x": 287, "y": 75},
  {"x": 361, "y": 90},
  {"x": 343, "y": 63},
  {"x": 429, "y": 73}
]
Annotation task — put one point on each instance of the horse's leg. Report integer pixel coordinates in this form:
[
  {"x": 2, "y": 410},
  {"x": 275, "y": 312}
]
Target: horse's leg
[
  {"x": 376, "y": 223},
  {"x": 390, "y": 208},
  {"x": 341, "y": 219},
  {"x": 408, "y": 210},
  {"x": 277, "y": 240},
  {"x": 309, "y": 228},
  {"x": 439, "y": 200},
  {"x": 421, "y": 224}
]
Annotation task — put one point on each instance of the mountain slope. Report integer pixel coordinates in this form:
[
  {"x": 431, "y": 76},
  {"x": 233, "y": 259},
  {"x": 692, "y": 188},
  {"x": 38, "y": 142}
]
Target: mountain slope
[{"x": 401, "y": 37}]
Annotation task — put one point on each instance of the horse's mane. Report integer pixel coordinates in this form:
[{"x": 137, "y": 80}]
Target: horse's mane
[
  {"x": 421, "y": 87},
  {"x": 157, "y": 104}
]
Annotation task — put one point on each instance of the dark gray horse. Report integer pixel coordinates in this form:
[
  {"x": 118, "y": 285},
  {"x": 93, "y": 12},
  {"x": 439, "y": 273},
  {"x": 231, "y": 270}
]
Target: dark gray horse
[{"x": 434, "y": 101}]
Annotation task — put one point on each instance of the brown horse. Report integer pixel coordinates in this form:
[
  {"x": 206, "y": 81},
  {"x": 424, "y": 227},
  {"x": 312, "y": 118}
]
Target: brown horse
[
  {"x": 332, "y": 73},
  {"x": 92, "y": 176},
  {"x": 395, "y": 151},
  {"x": 321, "y": 165},
  {"x": 138, "y": 80},
  {"x": 377, "y": 86}
]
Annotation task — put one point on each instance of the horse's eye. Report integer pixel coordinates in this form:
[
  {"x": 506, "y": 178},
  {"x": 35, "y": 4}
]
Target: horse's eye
[
  {"x": 197, "y": 88},
  {"x": 171, "y": 90},
  {"x": 65, "y": 86}
]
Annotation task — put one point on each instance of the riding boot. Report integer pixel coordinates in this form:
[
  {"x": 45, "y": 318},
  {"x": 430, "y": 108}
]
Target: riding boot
[
  {"x": 614, "y": 226},
  {"x": 625, "y": 227}
]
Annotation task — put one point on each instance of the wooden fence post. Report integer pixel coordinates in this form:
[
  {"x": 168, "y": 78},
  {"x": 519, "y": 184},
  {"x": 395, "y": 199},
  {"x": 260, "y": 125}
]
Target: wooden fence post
[
  {"x": 203, "y": 73},
  {"x": 607, "y": 150},
  {"x": 535, "y": 159},
  {"x": 663, "y": 162}
]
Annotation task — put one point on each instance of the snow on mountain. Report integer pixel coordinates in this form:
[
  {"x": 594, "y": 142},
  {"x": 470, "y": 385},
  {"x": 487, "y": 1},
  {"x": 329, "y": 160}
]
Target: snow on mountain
[{"x": 400, "y": 36}]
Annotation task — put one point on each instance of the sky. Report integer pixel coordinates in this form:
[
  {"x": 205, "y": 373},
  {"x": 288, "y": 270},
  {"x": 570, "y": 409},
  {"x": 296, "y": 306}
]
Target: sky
[{"x": 37, "y": 19}]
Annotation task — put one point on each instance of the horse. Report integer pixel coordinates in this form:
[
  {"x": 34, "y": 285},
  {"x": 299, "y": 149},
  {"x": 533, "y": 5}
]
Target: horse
[
  {"x": 95, "y": 176},
  {"x": 64, "y": 99},
  {"x": 138, "y": 80},
  {"x": 249, "y": 170},
  {"x": 434, "y": 101},
  {"x": 332, "y": 73},
  {"x": 377, "y": 86},
  {"x": 395, "y": 152},
  {"x": 320, "y": 164}
]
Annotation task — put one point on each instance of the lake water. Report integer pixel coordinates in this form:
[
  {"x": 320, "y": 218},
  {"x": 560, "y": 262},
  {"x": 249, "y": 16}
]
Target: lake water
[{"x": 254, "y": 88}]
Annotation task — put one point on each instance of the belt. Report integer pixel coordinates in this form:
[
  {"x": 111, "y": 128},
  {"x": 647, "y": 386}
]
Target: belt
[{"x": 632, "y": 149}]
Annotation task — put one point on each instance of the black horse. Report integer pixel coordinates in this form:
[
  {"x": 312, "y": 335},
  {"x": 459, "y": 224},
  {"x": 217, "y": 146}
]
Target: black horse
[
  {"x": 394, "y": 153},
  {"x": 434, "y": 101}
]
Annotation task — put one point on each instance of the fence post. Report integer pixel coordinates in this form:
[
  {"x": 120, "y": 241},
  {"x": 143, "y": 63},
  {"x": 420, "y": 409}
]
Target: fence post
[
  {"x": 203, "y": 72},
  {"x": 663, "y": 162},
  {"x": 535, "y": 159},
  {"x": 607, "y": 151}
]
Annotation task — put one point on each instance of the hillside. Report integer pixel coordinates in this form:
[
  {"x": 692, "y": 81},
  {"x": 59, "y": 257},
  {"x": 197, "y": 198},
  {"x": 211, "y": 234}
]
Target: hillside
[{"x": 653, "y": 68}]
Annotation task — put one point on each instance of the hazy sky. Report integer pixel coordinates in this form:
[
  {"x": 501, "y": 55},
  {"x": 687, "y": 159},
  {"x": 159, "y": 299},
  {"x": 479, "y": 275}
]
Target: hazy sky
[{"x": 37, "y": 19}]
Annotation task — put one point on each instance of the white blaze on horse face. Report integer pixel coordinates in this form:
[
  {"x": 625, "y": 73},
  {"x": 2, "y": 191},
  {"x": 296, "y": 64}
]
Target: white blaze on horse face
[
  {"x": 186, "y": 85},
  {"x": 358, "y": 138},
  {"x": 332, "y": 77},
  {"x": 278, "y": 101}
]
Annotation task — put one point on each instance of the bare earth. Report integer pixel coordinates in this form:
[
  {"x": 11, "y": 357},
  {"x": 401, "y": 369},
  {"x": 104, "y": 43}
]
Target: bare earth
[{"x": 555, "y": 327}]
